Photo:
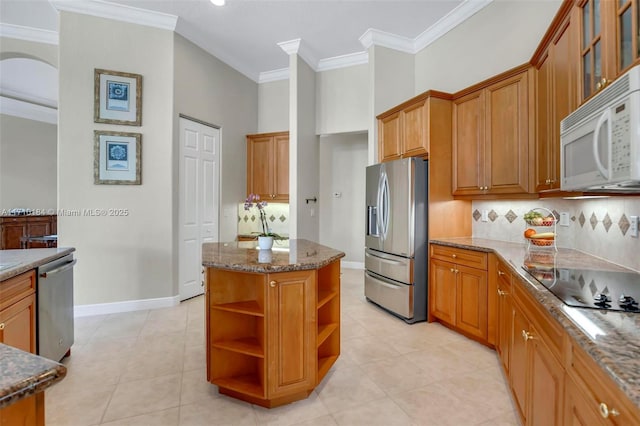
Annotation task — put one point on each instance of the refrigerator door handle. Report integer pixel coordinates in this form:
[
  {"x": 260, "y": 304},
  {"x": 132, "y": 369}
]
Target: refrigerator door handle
[
  {"x": 383, "y": 282},
  {"x": 379, "y": 207},
  {"x": 383, "y": 203},
  {"x": 382, "y": 259}
]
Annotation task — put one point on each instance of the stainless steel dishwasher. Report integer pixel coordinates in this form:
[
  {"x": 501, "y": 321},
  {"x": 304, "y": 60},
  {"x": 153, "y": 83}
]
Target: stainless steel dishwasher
[{"x": 55, "y": 308}]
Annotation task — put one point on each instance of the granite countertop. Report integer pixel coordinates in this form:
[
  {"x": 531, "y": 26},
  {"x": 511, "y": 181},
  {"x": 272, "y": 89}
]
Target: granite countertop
[
  {"x": 244, "y": 256},
  {"x": 25, "y": 374},
  {"x": 611, "y": 338},
  {"x": 15, "y": 262}
]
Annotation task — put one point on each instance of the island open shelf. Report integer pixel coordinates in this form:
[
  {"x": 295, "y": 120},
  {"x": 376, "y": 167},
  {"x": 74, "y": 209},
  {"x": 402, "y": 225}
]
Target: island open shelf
[{"x": 273, "y": 330}]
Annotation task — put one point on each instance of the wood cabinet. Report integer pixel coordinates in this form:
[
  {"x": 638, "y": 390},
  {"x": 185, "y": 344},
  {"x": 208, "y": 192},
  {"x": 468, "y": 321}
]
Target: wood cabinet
[
  {"x": 272, "y": 337},
  {"x": 458, "y": 290},
  {"x": 493, "y": 135},
  {"x": 14, "y": 228},
  {"x": 28, "y": 411},
  {"x": 555, "y": 99},
  {"x": 504, "y": 315},
  {"x": 407, "y": 129},
  {"x": 18, "y": 312},
  {"x": 591, "y": 397},
  {"x": 536, "y": 373},
  {"x": 268, "y": 166},
  {"x": 609, "y": 42}
]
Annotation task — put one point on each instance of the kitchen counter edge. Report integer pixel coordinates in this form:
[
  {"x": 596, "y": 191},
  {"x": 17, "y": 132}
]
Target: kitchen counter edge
[
  {"x": 627, "y": 379},
  {"x": 29, "y": 259},
  {"x": 25, "y": 374}
]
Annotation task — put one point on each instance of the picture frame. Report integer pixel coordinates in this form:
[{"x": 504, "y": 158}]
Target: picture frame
[
  {"x": 117, "y": 158},
  {"x": 114, "y": 101}
]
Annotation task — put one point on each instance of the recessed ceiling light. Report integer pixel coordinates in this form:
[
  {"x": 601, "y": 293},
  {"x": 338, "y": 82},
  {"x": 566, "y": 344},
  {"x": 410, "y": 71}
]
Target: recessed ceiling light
[{"x": 218, "y": 2}]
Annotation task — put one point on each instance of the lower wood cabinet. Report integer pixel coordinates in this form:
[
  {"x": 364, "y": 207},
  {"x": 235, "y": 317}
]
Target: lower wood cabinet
[
  {"x": 272, "y": 337},
  {"x": 504, "y": 315},
  {"x": 18, "y": 312},
  {"x": 458, "y": 292},
  {"x": 28, "y": 411}
]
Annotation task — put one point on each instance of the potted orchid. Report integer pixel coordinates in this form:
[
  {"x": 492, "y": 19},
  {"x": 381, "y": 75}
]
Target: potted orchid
[{"x": 265, "y": 238}]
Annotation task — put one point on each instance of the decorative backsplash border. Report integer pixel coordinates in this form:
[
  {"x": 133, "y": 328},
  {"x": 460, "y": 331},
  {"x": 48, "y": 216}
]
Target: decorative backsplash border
[
  {"x": 277, "y": 219},
  {"x": 597, "y": 226}
]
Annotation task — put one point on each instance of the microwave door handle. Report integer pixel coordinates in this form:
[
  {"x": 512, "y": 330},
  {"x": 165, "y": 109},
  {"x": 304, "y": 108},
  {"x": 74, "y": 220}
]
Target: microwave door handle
[{"x": 596, "y": 141}]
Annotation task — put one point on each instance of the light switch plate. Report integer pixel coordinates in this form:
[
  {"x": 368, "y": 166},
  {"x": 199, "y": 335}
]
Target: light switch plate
[
  {"x": 485, "y": 215},
  {"x": 633, "y": 229},
  {"x": 564, "y": 219}
]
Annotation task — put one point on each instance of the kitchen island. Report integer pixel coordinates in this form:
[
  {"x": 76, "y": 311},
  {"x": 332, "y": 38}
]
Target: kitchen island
[
  {"x": 22, "y": 383},
  {"x": 584, "y": 361},
  {"x": 272, "y": 319}
]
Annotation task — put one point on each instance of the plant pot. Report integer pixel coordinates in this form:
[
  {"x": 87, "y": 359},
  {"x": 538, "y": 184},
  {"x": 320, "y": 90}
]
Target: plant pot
[
  {"x": 264, "y": 256},
  {"x": 265, "y": 243}
]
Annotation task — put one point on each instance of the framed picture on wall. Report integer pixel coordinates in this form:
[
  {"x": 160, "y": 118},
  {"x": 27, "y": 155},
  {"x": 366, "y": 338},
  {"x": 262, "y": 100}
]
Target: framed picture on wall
[
  {"x": 117, "y": 158},
  {"x": 117, "y": 98}
]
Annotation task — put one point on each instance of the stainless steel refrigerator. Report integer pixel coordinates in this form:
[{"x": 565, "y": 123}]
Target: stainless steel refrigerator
[{"x": 396, "y": 237}]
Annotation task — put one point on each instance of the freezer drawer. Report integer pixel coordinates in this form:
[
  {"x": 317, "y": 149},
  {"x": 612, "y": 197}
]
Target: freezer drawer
[
  {"x": 390, "y": 266},
  {"x": 393, "y": 296}
]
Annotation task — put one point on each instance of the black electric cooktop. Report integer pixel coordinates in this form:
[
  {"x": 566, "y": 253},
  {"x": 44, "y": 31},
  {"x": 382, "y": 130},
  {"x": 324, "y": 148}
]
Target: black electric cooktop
[{"x": 587, "y": 288}]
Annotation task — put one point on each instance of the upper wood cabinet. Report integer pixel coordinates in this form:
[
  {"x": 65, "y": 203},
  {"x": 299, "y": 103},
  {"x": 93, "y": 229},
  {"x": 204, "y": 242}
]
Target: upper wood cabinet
[
  {"x": 406, "y": 130},
  {"x": 555, "y": 99},
  {"x": 493, "y": 135},
  {"x": 268, "y": 166},
  {"x": 609, "y": 33}
]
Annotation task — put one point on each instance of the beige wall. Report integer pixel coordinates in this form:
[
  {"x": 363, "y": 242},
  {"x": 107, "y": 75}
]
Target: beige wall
[
  {"x": 391, "y": 82},
  {"x": 499, "y": 37},
  {"x": 343, "y": 159},
  {"x": 209, "y": 90},
  {"x": 342, "y": 98},
  {"x": 273, "y": 106},
  {"x": 303, "y": 150},
  {"x": 28, "y": 153},
  {"x": 130, "y": 257}
]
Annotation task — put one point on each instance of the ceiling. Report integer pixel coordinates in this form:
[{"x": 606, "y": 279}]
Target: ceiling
[{"x": 245, "y": 33}]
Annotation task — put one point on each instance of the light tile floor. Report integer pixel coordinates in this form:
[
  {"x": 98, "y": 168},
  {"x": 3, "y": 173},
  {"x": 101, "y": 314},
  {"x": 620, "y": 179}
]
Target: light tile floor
[{"x": 148, "y": 368}]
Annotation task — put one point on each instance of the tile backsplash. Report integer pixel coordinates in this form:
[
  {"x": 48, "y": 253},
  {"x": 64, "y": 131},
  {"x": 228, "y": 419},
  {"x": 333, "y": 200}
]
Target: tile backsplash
[
  {"x": 598, "y": 226},
  {"x": 277, "y": 219}
]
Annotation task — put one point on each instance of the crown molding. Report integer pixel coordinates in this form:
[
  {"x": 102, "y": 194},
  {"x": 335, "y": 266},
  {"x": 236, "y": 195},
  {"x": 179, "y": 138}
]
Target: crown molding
[
  {"x": 392, "y": 41},
  {"x": 17, "y": 108},
  {"x": 28, "y": 33},
  {"x": 457, "y": 16},
  {"x": 118, "y": 12},
  {"x": 461, "y": 13},
  {"x": 343, "y": 61},
  {"x": 275, "y": 75},
  {"x": 290, "y": 47},
  {"x": 296, "y": 47}
]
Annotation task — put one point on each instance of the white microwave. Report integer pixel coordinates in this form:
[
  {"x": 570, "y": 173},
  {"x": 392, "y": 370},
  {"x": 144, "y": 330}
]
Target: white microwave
[{"x": 600, "y": 141}]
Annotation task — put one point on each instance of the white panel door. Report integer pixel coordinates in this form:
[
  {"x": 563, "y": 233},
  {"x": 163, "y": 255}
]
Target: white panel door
[{"x": 199, "y": 200}]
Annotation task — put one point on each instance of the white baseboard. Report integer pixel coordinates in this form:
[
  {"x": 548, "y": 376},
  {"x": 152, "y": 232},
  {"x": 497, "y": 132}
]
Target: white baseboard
[
  {"x": 352, "y": 265},
  {"x": 126, "y": 306}
]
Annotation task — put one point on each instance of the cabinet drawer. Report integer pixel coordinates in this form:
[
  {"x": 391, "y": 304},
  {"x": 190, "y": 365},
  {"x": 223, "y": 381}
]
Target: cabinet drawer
[
  {"x": 551, "y": 332},
  {"x": 471, "y": 258},
  {"x": 599, "y": 390},
  {"x": 16, "y": 288}
]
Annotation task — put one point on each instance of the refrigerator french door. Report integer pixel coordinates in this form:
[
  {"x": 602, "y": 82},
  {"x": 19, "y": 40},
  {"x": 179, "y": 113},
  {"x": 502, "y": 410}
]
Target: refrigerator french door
[{"x": 396, "y": 237}]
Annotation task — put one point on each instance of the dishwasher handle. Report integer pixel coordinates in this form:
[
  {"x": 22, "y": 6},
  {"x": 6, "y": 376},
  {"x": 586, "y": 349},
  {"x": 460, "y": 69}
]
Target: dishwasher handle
[{"x": 63, "y": 268}]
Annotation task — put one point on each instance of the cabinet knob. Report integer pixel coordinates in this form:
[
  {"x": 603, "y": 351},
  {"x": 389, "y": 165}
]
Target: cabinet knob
[
  {"x": 1, "y": 326},
  {"x": 501, "y": 273},
  {"x": 605, "y": 412},
  {"x": 452, "y": 270},
  {"x": 526, "y": 335},
  {"x": 272, "y": 284},
  {"x": 454, "y": 255},
  {"x": 502, "y": 293}
]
